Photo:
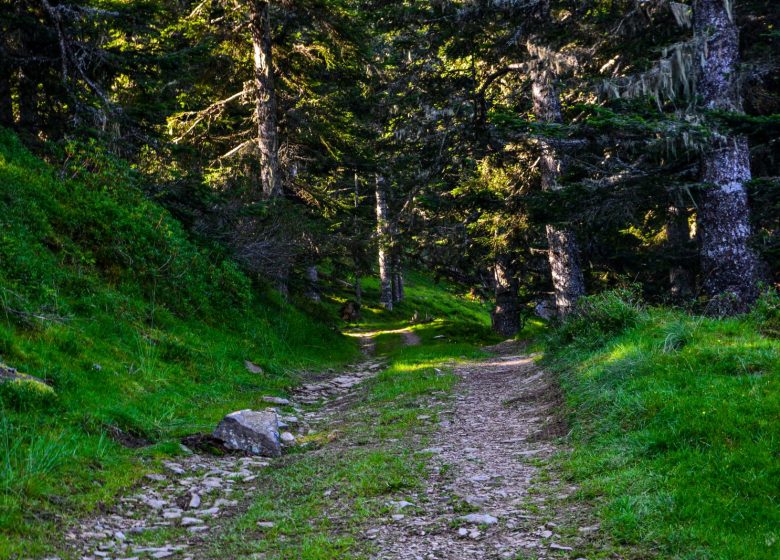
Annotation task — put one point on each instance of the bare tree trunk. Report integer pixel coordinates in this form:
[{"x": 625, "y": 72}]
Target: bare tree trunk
[
  {"x": 383, "y": 236},
  {"x": 506, "y": 314},
  {"x": 678, "y": 235},
  {"x": 265, "y": 103},
  {"x": 731, "y": 269},
  {"x": 565, "y": 266},
  {"x": 313, "y": 283},
  {"x": 356, "y": 253}
]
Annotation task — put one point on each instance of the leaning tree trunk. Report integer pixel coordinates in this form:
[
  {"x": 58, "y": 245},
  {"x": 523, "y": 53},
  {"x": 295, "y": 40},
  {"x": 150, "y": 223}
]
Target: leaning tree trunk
[
  {"x": 506, "y": 314},
  {"x": 383, "y": 236},
  {"x": 265, "y": 100},
  {"x": 730, "y": 268},
  {"x": 678, "y": 236},
  {"x": 563, "y": 251}
]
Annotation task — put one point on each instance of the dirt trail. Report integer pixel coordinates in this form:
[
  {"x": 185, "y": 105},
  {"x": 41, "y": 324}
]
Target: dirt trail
[
  {"x": 483, "y": 458},
  {"x": 502, "y": 422}
]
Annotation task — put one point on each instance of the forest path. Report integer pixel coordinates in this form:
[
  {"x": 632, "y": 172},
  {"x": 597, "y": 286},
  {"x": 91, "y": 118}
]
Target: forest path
[
  {"x": 488, "y": 460},
  {"x": 482, "y": 500}
]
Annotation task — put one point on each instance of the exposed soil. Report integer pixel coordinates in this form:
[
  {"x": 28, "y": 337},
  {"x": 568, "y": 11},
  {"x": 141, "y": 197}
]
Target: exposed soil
[{"x": 488, "y": 455}]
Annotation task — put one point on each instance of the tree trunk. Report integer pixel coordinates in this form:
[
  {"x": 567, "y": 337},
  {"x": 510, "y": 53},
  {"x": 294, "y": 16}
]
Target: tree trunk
[
  {"x": 506, "y": 314},
  {"x": 383, "y": 236},
  {"x": 730, "y": 268},
  {"x": 358, "y": 289},
  {"x": 313, "y": 283},
  {"x": 565, "y": 266},
  {"x": 356, "y": 252},
  {"x": 398, "y": 280},
  {"x": 678, "y": 235},
  {"x": 265, "y": 101}
]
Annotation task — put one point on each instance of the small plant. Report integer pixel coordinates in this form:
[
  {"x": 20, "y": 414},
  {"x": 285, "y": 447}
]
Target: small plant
[
  {"x": 678, "y": 335},
  {"x": 766, "y": 313},
  {"x": 599, "y": 317}
]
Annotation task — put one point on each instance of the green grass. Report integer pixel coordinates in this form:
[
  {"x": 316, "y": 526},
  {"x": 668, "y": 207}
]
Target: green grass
[
  {"x": 136, "y": 328},
  {"x": 677, "y": 432}
]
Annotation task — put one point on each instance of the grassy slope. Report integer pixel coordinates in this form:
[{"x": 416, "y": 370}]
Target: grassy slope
[
  {"x": 134, "y": 326},
  {"x": 677, "y": 434}
]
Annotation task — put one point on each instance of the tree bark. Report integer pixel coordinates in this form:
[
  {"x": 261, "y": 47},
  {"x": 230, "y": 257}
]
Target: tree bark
[
  {"x": 678, "y": 236},
  {"x": 730, "y": 268},
  {"x": 356, "y": 252},
  {"x": 398, "y": 276},
  {"x": 265, "y": 101},
  {"x": 506, "y": 314},
  {"x": 313, "y": 283},
  {"x": 565, "y": 268},
  {"x": 383, "y": 236}
]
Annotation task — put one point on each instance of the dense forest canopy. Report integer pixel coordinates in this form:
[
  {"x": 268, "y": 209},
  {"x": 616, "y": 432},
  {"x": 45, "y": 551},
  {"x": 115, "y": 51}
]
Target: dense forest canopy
[{"x": 524, "y": 147}]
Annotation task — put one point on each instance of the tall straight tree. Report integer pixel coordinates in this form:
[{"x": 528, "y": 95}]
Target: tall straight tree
[
  {"x": 730, "y": 267},
  {"x": 565, "y": 268},
  {"x": 265, "y": 100},
  {"x": 506, "y": 314},
  {"x": 384, "y": 243}
]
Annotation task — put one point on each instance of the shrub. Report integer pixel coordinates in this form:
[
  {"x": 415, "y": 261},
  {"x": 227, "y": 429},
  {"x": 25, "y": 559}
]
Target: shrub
[
  {"x": 599, "y": 317},
  {"x": 766, "y": 313}
]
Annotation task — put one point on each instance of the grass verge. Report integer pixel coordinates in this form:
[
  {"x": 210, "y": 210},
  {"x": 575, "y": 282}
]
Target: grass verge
[{"x": 676, "y": 427}]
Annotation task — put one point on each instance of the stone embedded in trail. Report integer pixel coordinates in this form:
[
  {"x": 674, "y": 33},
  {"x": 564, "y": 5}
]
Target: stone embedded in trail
[
  {"x": 480, "y": 519},
  {"x": 555, "y": 546},
  {"x": 255, "y": 432},
  {"x": 400, "y": 504},
  {"x": 194, "y": 501},
  {"x": 476, "y": 501},
  {"x": 287, "y": 438},
  {"x": 276, "y": 400},
  {"x": 265, "y": 524}
]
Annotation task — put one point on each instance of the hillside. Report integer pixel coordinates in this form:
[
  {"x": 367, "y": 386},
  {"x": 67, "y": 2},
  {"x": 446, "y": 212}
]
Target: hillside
[{"x": 140, "y": 333}]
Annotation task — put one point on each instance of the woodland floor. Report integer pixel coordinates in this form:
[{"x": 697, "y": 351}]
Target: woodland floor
[{"x": 488, "y": 483}]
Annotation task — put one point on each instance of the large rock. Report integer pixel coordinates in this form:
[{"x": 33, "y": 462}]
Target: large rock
[{"x": 255, "y": 432}]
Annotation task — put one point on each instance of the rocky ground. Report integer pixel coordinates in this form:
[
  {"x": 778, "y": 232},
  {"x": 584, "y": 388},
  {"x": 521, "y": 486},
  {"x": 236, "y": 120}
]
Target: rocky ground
[
  {"x": 482, "y": 500},
  {"x": 172, "y": 513}
]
